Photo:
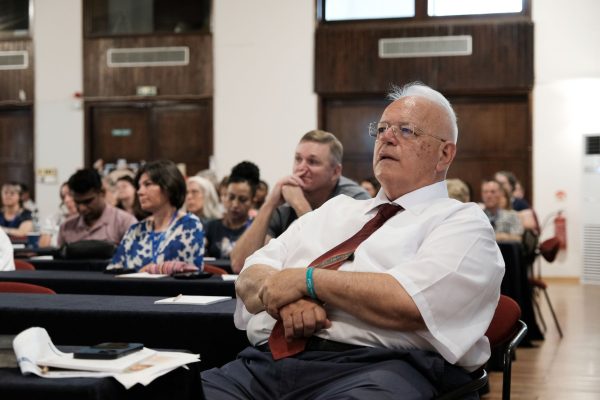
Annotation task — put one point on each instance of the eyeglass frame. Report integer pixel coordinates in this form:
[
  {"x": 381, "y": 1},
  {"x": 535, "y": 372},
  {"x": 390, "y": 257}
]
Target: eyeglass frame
[{"x": 403, "y": 130}]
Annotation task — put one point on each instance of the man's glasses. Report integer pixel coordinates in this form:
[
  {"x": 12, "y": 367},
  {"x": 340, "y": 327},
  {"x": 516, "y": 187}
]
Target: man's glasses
[{"x": 403, "y": 130}]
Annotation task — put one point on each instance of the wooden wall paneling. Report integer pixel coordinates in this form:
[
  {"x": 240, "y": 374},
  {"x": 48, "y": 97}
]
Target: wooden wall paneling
[
  {"x": 347, "y": 60},
  {"x": 192, "y": 80},
  {"x": 494, "y": 134},
  {"x": 104, "y": 119},
  {"x": 184, "y": 134},
  {"x": 16, "y": 145},
  {"x": 12, "y": 81},
  {"x": 348, "y": 120}
]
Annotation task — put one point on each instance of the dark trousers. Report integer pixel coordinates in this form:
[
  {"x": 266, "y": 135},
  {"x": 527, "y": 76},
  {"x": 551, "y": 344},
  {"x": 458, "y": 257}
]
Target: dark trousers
[{"x": 363, "y": 373}]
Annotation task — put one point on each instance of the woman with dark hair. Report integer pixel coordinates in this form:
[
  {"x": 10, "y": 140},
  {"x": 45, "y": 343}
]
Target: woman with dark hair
[
  {"x": 127, "y": 198},
  {"x": 168, "y": 240},
  {"x": 221, "y": 234},
  {"x": 14, "y": 219}
]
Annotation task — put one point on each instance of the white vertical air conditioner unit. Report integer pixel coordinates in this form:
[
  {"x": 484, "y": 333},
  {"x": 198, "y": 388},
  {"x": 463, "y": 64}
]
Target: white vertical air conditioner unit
[{"x": 591, "y": 209}]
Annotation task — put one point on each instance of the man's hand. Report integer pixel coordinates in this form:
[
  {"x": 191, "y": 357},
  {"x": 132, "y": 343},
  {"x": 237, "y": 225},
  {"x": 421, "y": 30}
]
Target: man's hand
[
  {"x": 281, "y": 289},
  {"x": 303, "y": 318},
  {"x": 294, "y": 196}
]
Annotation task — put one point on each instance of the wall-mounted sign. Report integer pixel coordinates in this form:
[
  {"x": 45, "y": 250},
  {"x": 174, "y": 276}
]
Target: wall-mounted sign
[
  {"x": 46, "y": 175},
  {"x": 121, "y": 132}
]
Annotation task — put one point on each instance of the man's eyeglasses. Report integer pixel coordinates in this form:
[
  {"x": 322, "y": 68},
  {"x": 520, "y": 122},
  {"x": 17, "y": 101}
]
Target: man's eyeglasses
[{"x": 404, "y": 131}]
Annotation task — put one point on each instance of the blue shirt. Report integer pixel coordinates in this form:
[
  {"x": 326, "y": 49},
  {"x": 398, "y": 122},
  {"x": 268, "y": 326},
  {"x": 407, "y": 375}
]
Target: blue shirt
[{"x": 182, "y": 241}]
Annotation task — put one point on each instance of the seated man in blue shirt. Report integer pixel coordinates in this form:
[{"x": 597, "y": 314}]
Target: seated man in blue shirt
[{"x": 398, "y": 309}]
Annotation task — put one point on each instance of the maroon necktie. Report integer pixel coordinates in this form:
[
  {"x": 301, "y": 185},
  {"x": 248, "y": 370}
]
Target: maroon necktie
[{"x": 332, "y": 259}]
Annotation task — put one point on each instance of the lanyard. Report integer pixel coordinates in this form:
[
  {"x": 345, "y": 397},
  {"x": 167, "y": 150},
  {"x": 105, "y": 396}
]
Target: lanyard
[{"x": 157, "y": 238}]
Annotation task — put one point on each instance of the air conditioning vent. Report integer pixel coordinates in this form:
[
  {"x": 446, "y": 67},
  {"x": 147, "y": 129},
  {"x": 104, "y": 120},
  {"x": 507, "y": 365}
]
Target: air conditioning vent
[
  {"x": 591, "y": 253},
  {"x": 428, "y": 46},
  {"x": 148, "y": 57},
  {"x": 592, "y": 145},
  {"x": 18, "y": 59}
]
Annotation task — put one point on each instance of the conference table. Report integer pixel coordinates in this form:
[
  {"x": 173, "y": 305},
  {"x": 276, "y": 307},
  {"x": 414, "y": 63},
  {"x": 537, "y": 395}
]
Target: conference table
[
  {"x": 178, "y": 384},
  {"x": 95, "y": 282},
  {"x": 80, "y": 320},
  {"x": 98, "y": 265}
]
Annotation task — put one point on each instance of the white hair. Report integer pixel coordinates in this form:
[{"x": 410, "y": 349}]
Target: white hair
[
  {"x": 210, "y": 209},
  {"x": 419, "y": 89}
]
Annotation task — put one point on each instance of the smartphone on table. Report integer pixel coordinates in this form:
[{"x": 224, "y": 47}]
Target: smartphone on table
[{"x": 108, "y": 350}]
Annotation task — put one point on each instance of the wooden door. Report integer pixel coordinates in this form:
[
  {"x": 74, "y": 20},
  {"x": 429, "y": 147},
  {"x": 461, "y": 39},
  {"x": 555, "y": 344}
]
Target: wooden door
[
  {"x": 16, "y": 145},
  {"x": 184, "y": 134},
  {"x": 146, "y": 131},
  {"x": 121, "y": 132}
]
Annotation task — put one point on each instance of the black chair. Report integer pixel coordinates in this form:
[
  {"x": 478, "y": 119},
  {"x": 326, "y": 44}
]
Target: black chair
[{"x": 505, "y": 332}]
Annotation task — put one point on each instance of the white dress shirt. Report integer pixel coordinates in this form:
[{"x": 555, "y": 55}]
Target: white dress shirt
[
  {"x": 6, "y": 253},
  {"x": 443, "y": 253}
]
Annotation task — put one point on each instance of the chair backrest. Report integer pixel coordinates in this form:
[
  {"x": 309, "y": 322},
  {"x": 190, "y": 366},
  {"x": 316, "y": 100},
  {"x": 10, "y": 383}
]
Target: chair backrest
[
  {"x": 20, "y": 287},
  {"x": 504, "y": 322},
  {"x": 213, "y": 269},
  {"x": 24, "y": 265},
  {"x": 549, "y": 248}
]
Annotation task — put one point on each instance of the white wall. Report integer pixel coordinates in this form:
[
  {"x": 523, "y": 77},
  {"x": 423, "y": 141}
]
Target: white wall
[
  {"x": 264, "y": 97},
  {"x": 566, "y": 106},
  {"x": 57, "y": 39}
]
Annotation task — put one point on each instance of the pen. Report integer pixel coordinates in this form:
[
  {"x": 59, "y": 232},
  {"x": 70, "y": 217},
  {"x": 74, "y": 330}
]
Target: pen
[{"x": 177, "y": 297}]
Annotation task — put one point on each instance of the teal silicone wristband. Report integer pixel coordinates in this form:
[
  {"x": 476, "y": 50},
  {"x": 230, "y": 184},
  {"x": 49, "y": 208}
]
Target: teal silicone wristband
[{"x": 310, "y": 284}]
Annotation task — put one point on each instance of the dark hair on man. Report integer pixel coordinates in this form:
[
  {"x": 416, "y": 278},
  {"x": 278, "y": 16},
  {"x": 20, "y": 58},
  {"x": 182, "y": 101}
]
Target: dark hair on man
[
  {"x": 336, "y": 149},
  {"x": 168, "y": 177},
  {"x": 245, "y": 171},
  {"x": 84, "y": 180}
]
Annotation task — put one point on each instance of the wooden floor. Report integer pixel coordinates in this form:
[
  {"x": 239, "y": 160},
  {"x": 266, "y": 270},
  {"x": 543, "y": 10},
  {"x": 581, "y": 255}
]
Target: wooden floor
[{"x": 567, "y": 368}]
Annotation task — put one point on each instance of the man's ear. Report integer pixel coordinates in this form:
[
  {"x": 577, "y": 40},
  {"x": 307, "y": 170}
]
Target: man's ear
[
  {"x": 446, "y": 155},
  {"x": 337, "y": 172}
]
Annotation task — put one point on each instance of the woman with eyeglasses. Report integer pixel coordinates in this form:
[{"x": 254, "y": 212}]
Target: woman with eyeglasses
[
  {"x": 169, "y": 240},
  {"x": 222, "y": 234},
  {"x": 14, "y": 219}
]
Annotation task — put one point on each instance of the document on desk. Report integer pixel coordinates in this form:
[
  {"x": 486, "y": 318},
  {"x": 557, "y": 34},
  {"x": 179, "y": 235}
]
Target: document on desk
[
  {"x": 202, "y": 300},
  {"x": 35, "y": 353},
  {"x": 141, "y": 275}
]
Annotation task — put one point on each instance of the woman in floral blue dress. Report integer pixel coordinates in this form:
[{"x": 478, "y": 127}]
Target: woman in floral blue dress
[{"x": 168, "y": 240}]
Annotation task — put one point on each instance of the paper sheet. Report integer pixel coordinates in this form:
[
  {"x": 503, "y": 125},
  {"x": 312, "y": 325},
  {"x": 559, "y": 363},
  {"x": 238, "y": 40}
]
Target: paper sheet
[
  {"x": 141, "y": 275},
  {"x": 202, "y": 300},
  {"x": 34, "y": 344}
]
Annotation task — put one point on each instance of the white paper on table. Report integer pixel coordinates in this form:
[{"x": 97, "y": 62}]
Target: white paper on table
[
  {"x": 229, "y": 277},
  {"x": 141, "y": 275},
  {"x": 59, "y": 359},
  {"x": 34, "y": 344},
  {"x": 202, "y": 300},
  {"x": 46, "y": 257}
]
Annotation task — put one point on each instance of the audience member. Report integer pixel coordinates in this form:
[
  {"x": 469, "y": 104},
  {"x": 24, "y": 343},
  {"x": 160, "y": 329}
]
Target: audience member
[
  {"x": 383, "y": 325},
  {"x": 222, "y": 234},
  {"x": 316, "y": 178},
  {"x": 127, "y": 199},
  {"x": 51, "y": 226},
  {"x": 222, "y": 188},
  {"x": 202, "y": 199},
  {"x": 505, "y": 222},
  {"x": 14, "y": 219},
  {"x": 458, "y": 190},
  {"x": 371, "y": 185},
  {"x": 508, "y": 181},
  {"x": 262, "y": 190},
  {"x": 168, "y": 240},
  {"x": 28, "y": 204},
  {"x": 6, "y": 253},
  {"x": 97, "y": 220}
]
